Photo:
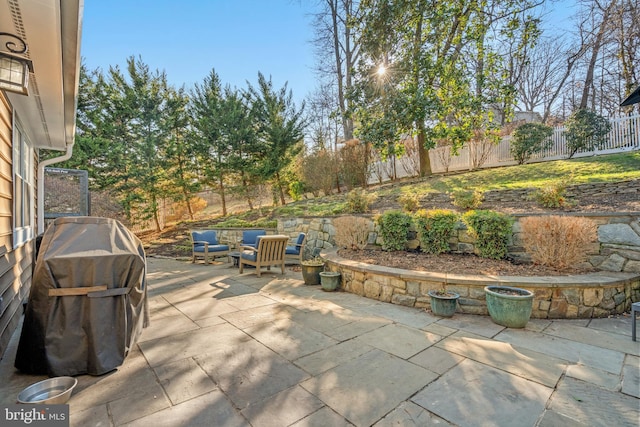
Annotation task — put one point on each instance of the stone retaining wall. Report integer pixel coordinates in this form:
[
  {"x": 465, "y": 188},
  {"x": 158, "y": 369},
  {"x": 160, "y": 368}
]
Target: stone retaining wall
[
  {"x": 233, "y": 235},
  {"x": 517, "y": 195},
  {"x": 616, "y": 254},
  {"x": 617, "y": 248},
  {"x": 583, "y": 296}
]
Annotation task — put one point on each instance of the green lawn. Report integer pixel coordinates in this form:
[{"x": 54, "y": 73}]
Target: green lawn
[{"x": 609, "y": 168}]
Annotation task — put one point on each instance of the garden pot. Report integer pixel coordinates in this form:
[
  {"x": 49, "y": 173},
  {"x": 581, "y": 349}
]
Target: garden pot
[
  {"x": 510, "y": 307},
  {"x": 311, "y": 274},
  {"x": 443, "y": 305},
  {"x": 329, "y": 280}
]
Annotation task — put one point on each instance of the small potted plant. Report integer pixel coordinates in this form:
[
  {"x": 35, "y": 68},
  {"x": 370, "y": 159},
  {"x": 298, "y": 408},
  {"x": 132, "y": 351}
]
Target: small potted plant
[
  {"x": 311, "y": 269},
  {"x": 443, "y": 302},
  {"x": 508, "y": 306}
]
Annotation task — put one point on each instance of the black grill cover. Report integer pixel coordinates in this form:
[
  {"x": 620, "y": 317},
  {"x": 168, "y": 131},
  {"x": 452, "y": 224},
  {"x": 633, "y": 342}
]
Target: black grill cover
[{"x": 91, "y": 332}]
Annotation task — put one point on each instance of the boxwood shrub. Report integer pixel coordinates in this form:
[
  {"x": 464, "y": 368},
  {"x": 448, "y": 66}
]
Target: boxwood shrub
[
  {"x": 435, "y": 228},
  {"x": 394, "y": 229},
  {"x": 492, "y": 231}
]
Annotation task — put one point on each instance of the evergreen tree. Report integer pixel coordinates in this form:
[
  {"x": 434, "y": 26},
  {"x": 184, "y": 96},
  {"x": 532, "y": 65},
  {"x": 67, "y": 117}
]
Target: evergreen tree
[
  {"x": 210, "y": 147},
  {"x": 182, "y": 164},
  {"x": 280, "y": 126}
]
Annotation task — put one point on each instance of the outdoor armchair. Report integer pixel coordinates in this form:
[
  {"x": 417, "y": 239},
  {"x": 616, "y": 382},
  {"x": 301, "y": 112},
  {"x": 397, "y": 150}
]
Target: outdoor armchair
[
  {"x": 270, "y": 252},
  {"x": 205, "y": 244},
  {"x": 251, "y": 237},
  {"x": 293, "y": 253}
]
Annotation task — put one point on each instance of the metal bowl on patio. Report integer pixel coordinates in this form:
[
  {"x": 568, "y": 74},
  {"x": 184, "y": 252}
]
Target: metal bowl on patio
[{"x": 52, "y": 391}]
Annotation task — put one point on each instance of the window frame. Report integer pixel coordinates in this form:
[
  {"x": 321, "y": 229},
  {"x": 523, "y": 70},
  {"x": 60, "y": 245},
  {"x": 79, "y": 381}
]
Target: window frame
[{"x": 23, "y": 166}]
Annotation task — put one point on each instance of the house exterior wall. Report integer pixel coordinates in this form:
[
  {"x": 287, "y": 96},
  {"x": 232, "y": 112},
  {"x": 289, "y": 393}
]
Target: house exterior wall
[{"x": 15, "y": 265}]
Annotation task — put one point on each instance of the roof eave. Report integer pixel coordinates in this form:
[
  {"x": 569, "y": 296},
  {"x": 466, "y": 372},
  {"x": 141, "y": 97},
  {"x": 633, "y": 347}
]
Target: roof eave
[
  {"x": 52, "y": 29},
  {"x": 633, "y": 98}
]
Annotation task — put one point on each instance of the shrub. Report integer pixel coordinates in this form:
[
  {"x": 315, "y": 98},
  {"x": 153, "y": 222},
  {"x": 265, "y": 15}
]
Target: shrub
[
  {"x": 352, "y": 162},
  {"x": 409, "y": 202},
  {"x": 492, "y": 231},
  {"x": 241, "y": 223},
  {"x": 234, "y": 223},
  {"x": 557, "y": 241},
  {"x": 296, "y": 190},
  {"x": 529, "y": 139},
  {"x": 394, "y": 228},
  {"x": 585, "y": 130},
  {"x": 318, "y": 172},
  {"x": 435, "y": 229},
  {"x": 352, "y": 232},
  {"x": 358, "y": 200},
  {"x": 467, "y": 199},
  {"x": 552, "y": 195}
]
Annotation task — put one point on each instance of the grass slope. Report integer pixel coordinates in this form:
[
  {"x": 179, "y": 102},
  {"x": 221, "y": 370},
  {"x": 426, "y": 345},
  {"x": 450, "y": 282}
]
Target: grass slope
[{"x": 607, "y": 168}]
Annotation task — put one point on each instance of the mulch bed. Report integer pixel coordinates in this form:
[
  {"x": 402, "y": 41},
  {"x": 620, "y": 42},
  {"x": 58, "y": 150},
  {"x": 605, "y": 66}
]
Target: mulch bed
[{"x": 453, "y": 263}]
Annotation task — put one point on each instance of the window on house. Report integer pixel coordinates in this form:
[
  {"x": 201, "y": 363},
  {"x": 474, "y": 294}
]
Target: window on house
[{"x": 23, "y": 194}]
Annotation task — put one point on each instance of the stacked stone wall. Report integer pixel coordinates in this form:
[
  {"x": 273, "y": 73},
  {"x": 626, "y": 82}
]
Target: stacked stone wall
[
  {"x": 610, "y": 291},
  {"x": 513, "y": 196},
  {"x": 563, "y": 297},
  {"x": 617, "y": 248}
]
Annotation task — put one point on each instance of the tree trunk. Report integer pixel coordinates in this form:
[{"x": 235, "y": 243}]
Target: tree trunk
[
  {"x": 187, "y": 200},
  {"x": 245, "y": 187},
  {"x": 280, "y": 189},
  {"x": 342, "y": 79},
  {"x": 223, "y": 197},
  {"x": 597, "y": 43},
  {"x": 363, "y": 175},
  {"x": 423, "y": 153},
  {"x": 156, "y": 217}
]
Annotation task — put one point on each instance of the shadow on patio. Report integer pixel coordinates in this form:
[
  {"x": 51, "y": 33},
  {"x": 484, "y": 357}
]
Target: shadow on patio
[{"x": 229, "y": 349}]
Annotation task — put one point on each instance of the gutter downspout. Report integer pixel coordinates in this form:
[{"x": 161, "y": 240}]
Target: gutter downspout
[{"x": 41, "y": 166}]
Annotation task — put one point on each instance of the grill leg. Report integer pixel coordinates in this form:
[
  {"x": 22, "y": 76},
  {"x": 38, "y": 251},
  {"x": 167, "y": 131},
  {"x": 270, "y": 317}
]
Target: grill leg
[{"x": 635, "y": 307}]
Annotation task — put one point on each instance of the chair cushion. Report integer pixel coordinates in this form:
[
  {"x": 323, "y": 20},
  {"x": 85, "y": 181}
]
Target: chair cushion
[
  {"x": 199, "y": 247},
  {"x": 208, "y": 236},
  {"x": 250, "y": 237},
  {"x": 292, "y": 250},
  {"x": 300, "y": 239},
  {"x": 248, "y": 255}
]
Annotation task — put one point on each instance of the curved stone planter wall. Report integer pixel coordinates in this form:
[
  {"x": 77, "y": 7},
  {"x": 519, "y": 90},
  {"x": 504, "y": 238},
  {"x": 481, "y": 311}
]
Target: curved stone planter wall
[{"x": 581, "y": 296}]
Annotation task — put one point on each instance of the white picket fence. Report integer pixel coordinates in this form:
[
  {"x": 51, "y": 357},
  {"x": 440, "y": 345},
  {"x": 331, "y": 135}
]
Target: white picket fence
[{"x": 623, "y": 136}]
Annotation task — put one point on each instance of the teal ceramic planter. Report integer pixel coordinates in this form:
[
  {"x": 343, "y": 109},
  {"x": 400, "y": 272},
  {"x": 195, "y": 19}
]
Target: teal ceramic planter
[
  {"x": 329, "y": 280},
  {"x": 510, "y": 307},
  {"x": 443, "y": 305}
]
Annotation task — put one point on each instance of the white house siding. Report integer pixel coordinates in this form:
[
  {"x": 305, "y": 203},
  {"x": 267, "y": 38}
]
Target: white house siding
[{"x": 15, "y": 265}]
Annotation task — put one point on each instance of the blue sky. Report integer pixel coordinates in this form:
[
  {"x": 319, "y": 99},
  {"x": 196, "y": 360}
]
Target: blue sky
[{"x": 188, "y": 38}]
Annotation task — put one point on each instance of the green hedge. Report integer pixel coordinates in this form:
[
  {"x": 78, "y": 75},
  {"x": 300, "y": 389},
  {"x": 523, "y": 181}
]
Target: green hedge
[
  {"x": 394, "y": 230},
  {"x": 435, "y": 228},
  {"x": 492, "y": 231}
]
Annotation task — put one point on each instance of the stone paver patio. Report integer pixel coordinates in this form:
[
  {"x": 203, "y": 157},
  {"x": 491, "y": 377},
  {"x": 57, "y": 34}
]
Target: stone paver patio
[{"x": 225, "y": 349}]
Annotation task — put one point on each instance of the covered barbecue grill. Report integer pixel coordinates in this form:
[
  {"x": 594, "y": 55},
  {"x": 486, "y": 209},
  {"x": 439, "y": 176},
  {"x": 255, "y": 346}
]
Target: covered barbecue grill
[{"x": 88, "y": 300}]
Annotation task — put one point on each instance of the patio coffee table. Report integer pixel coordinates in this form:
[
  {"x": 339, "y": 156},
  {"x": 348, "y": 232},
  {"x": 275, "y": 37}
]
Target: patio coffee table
[{"x": 235, "y": 255}]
